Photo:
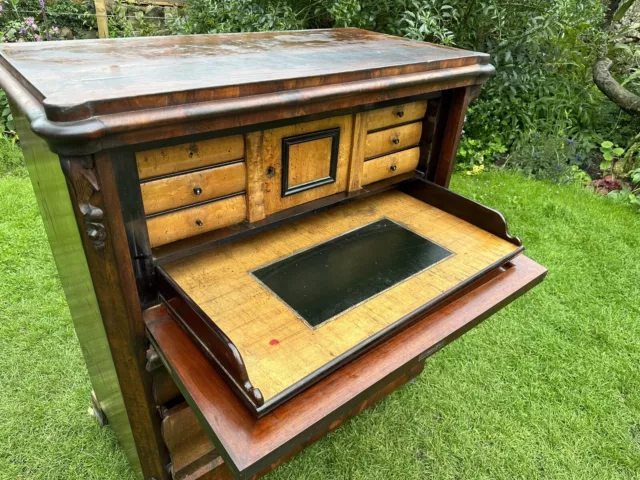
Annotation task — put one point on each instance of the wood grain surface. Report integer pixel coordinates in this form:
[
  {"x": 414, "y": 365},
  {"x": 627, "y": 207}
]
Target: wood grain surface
[
  {"x": 277, "y": 347},
  {"x": 250, "y": 446},
  {"x": 390, "y": 165},
  {"x": 311, "y": 158},
  {"x": 189, "y": 446},
  {"x": 392, "y": 139},
  {"x": 169, "y": 227},
  {"x": 178, "y": 158},
  {"x": 255, "y": 176},
  {"x": 403, "y": 113},
  {"x": 198, "y": 186},
  {"x": 176, "y": 69}
]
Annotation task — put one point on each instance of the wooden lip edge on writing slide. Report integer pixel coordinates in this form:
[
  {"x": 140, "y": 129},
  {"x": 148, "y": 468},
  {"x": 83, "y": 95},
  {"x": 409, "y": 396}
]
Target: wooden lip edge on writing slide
[
  {"x": 232, "y": 364},
  {"x": 325, "y": 322}
]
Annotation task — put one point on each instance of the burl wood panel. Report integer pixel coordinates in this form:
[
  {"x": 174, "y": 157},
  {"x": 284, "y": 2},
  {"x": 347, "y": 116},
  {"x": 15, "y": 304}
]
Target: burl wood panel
[
  {"x": 390, "y": 165},
  {"x": 357, "y": 152},
  {"x": 392, "y": 139},
  {"x": 178, "y": 158},
  {"x": 309, "y": 161},
  {"x": 198, "y": 186},
  {"x": 250, "y": 446},
  {"x": 277, "y": 347},
  {"x": 311, "y": 158},
  {"x": 404, "y": 113},
  {"x": 255, "y": 176},
  {"x": 169, "y": 227}
]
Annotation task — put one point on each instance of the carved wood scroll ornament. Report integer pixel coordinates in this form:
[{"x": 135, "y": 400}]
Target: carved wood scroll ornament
[{"x": 81, "y": 177}]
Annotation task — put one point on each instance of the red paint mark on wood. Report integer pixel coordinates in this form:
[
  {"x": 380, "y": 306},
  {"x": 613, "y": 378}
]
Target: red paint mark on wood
[{"x": 274, "y": 342}]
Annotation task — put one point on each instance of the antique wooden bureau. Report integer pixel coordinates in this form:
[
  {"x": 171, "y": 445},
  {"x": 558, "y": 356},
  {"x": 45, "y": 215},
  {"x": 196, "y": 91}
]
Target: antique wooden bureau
[{"x": 254, "y": 232}]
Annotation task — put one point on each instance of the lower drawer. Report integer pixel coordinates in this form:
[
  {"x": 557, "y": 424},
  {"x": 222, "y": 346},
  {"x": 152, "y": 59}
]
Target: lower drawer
[
  {"x": 193, "y": 456},
  {"x": 252, "y": 446},
  {"x": 390, "y": 165},
  {"x": 168, "y": 227}
]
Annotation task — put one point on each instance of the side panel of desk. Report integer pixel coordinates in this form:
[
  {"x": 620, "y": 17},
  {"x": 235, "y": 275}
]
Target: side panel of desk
[{"x": 60, "y": 225}]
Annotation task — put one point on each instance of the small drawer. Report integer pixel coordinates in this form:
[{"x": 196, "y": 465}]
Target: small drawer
[
  {"x": 390, "y": 165},
  {"x": 198, "y": 186},
  {"x": 387, "y": 117},
  {"x": 169, "y": 227},
  {"x": 392, "y": 139},
  {"x": 179, "y": 158}
]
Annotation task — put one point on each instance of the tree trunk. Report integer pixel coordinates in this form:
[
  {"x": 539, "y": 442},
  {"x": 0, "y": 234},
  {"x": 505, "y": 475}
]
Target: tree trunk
[{"x": 623, "y": 98}]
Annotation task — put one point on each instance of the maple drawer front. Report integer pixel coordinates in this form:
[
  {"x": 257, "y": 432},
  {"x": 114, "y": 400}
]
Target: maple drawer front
[
  {"x": 392, "y": 139},
  {"x": 189, "y": 156},
  {"x": 395, "y": 115},
  {"x": 193, "y": 187},
  {"x": 390, "y": 165},
  {"x": 169, "y": 227}
]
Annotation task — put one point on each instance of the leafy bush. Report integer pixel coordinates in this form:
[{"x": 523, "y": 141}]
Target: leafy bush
[
  {"x": 548, "y": 156},
  {"x": 11, "y": 159},
  {"x": 213, "y": 16},
  {"x": 543, "y": 50},
  {"x": 77, "y": 15},
  {"x": 27, "y": 30}
]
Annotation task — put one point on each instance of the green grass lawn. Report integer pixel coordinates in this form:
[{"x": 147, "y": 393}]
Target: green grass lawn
[{"x": 547, "y": 388}]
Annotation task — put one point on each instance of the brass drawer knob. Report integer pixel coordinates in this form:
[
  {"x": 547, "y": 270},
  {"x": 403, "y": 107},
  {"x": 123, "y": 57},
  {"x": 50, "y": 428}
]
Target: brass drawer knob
[
  {"x": 199, "y": 222},
  {"x": 393, "y": 168},
  {"x": 396, "y": 141},
  {"x": 400, "y": 113},
  {"x": 197, "y": 191}
]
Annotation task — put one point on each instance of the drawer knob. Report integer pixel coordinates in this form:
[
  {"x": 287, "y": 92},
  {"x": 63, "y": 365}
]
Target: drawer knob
[
  {"x": 396, "y": 141},
  {"x": 271, "y": 172},
  {"x": 393, "y": 168},
  {"x": 400, "y": 113},
  {"x": 199, "y": 222},
  {"x": 197, "y": 191}
]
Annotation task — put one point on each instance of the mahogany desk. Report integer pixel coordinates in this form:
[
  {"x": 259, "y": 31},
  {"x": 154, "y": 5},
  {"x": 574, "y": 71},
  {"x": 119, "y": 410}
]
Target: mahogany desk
[{"x": 254, "y": 231}]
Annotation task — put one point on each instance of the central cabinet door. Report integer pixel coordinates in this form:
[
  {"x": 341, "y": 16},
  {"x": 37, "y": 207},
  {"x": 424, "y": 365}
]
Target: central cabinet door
[{"x": 306, "y": 161}]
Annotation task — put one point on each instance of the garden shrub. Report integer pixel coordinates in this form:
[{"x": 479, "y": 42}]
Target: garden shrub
[{"x": 541, "y": 113}]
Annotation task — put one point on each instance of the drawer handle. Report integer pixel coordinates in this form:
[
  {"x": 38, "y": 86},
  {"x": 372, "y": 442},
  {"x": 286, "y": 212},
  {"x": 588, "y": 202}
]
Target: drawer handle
[
  {"x": 396, "y": 141},
  {"x": 400, "y": 113},
  {"x": 197, "y": 191},
  {"x": 393, "y": 168},
  {"x": 199, "y": 222}
]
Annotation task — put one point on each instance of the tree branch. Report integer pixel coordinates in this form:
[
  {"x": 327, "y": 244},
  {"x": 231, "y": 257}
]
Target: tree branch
[{"x": 623, "y": 98}]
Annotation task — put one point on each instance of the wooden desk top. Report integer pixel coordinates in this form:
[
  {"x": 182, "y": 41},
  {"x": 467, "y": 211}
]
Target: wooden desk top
[
  {"x": 68, "y": 74},
  {"x": 79, "y": 92}
]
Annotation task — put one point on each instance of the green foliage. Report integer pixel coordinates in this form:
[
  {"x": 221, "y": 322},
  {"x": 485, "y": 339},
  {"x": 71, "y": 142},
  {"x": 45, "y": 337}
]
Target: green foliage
[
  {"x": 610, "y": 153},
  {"x": 7, "y": 125},
  {"x": 475, "y": 155},
  {"x": 27, "y": 30},
  {"x": 125, "y": 22},
  {"x": 548, "y": 156},
  {"x": 429, "y": 20},
  {"x": 77, "y": 15},
  {"x": 213, "y": 16},
  {"x": 11, "y": 159}
]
